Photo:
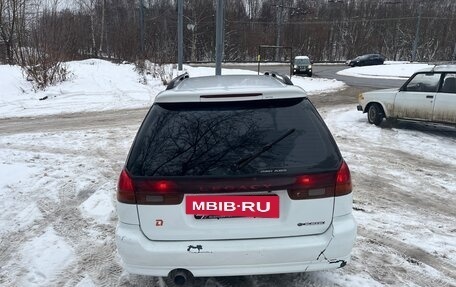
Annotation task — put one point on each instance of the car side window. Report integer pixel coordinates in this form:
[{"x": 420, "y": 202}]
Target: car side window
[
  {"x": 449, "y": 84},
  {"x": 424, "y": 82}
]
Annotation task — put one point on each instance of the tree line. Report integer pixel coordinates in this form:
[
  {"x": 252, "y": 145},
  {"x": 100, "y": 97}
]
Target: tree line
[{"x": 327, "y": 30}]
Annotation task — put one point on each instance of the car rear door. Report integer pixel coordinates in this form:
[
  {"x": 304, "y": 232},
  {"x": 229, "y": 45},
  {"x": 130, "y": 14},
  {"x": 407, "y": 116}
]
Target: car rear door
[
  {"x": 372, "y": 60},
  {"x": 445, "y": 100},
  {"x": 415, "y": 100},
  {"x": 191, "y": 151}
]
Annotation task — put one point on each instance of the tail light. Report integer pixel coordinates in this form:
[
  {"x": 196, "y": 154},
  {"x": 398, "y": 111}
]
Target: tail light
[
  {"x": 343, "y": 180},
  {"x": 157, "y": 192},
  {"x": 152, "y": 192},
  {"x": 160, "y": 192},
  {"x": 312, "y": 186},
  {"x": 125, "y": 189},
  {"x": 321, "y": 185}
]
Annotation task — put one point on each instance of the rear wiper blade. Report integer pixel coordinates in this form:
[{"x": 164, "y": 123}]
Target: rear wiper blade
[{"x": 246, "y": 160}]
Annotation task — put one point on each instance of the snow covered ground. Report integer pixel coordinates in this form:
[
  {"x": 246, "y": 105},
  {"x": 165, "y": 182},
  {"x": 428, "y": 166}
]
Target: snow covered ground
[
  {"x": 97, "y": 85},
  {"x": 390, "y": 70},
  {"x": 57, "y": 196},
  {"x": 57, "y": 189}
]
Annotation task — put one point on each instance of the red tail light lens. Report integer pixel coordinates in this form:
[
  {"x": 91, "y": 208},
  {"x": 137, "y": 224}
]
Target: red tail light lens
[
  {"x": 125, "y": 189},
  {"x": 322, "y": 185},
  {"x": 312, "y": 186},
  {"x": 146, "y": 191},
  {"x": 157, "y": 192},
  {"x": 163, "y": 186},
  {"x": 305, "y": 180},
  {"x": 343, "y": 180}
]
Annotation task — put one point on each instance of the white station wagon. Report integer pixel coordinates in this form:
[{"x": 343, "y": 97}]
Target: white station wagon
[
  {"x": 429, "y": 95},
  {"x": 233, "y": 175}
]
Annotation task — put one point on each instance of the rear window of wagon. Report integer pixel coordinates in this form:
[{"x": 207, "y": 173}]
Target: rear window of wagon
[{"x": 207, "y": 139}]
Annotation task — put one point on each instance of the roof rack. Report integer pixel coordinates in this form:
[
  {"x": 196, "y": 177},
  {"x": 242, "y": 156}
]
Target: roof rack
[
  {"x": 177, "y": 80},
  {"x": 281, "y": 77}
]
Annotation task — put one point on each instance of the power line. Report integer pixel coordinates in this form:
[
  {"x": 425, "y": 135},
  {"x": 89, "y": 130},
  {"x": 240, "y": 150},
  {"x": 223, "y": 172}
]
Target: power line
[{"x": 343, "y": 20}]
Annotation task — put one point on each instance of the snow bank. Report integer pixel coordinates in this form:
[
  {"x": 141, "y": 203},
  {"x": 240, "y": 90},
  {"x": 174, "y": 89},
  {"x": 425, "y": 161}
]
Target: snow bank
[
  {"x": 98, "y": 85},
  {"x": 391, "y": 70}
]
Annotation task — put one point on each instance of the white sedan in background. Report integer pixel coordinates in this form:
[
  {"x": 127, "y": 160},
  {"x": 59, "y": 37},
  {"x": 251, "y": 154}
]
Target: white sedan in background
[{"x": 428, "y": 95}]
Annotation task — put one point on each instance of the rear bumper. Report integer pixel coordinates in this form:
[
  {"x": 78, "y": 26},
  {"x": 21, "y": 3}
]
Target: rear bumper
[
  {"x": 359, "y": 107},
  {"x": 237, "y": 257}
]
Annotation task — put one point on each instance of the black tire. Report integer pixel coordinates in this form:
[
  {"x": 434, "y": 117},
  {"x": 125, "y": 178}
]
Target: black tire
[
  {"x": 375, "y": 114},
  {"x": 310, "y": 75}
]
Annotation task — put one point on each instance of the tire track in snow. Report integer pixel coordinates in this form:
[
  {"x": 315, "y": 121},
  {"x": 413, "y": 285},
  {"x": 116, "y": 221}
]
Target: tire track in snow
[{"x": 414, "y": 255}]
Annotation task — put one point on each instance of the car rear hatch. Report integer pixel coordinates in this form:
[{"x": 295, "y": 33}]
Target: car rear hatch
[{"x": 278, "y": 153}]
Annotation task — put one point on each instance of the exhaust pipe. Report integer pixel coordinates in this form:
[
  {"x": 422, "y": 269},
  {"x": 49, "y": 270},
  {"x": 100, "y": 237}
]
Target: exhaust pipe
[{"x": 180, "y": 277}]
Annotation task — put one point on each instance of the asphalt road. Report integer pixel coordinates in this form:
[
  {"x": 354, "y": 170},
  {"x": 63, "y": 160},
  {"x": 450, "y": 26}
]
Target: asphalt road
[{"x": 330, "y": 72}]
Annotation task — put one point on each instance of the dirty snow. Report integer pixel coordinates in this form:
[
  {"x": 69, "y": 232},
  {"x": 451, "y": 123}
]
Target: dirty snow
[
  {"x": 44, "y": 256},
  {"x": 58, "y": 200},
  {"x": 416, "y": 160},
  {"x": 58, "y": 218}
]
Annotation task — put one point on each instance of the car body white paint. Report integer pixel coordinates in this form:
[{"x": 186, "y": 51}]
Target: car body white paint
[
  {"x": 430, "y": 106},
  {"x": 311, "y": 234}
]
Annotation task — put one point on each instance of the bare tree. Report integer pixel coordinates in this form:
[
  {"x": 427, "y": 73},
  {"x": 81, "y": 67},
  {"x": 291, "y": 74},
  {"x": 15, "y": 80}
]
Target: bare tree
[
  {"x": 89, "y": 7},
  {"x": 9, "y": 17},
  {"x": 41, "y": 47},
  {"x": 328, "y": 30}
]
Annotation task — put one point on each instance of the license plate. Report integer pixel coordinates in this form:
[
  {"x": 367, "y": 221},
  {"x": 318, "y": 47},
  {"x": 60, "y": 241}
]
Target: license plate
[{"x": 262, "y": 206}]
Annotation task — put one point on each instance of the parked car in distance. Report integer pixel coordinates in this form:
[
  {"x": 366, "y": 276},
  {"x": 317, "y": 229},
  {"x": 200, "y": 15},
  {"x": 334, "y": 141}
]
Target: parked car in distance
[
  {"x": 367, "y": 60},
  {"x": 302, "y": 65},
  {"x": 233, "y": 175},
  {"x": 428, "y": 95}
]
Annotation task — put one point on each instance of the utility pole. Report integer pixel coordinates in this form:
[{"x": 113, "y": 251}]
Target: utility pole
[
  {"x": 279, "y": 22},
  {"x": 453, "y": 59},
  {"x": 417, "y": 34},
  {"x": 103, "y": 10},
  {"x": 219, "y": 38},
  {"x": 180, "y": 34}
]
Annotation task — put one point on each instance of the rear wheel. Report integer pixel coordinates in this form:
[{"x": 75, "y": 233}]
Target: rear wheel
[{"x": 375, "y": 114}]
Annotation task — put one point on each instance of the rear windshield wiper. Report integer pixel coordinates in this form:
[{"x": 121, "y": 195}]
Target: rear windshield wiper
[{"x": 245, "y": 160}]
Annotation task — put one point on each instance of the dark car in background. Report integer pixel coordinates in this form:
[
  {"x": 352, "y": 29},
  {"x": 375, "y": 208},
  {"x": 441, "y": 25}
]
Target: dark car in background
[
  {"x": 302, "y": 65},
  {"x": 367, "y": 60}
]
